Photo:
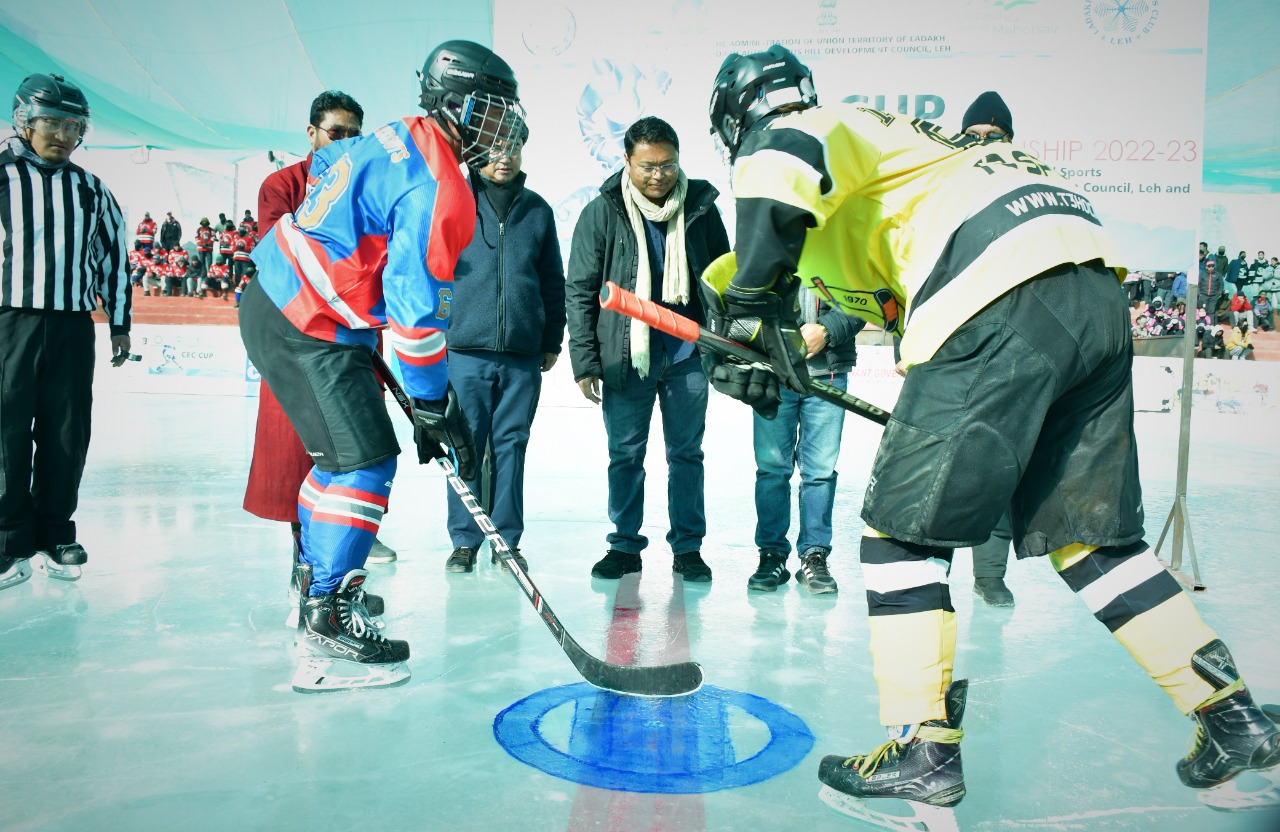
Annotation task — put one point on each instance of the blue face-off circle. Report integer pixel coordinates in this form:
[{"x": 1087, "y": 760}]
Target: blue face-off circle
[{"x": 680, "y": 745}]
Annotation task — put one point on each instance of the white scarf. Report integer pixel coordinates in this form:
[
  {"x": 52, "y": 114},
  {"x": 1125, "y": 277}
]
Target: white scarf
[{"x": 675, "y": 266}]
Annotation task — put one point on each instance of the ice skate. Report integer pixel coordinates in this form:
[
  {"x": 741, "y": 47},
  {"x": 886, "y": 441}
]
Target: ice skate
[
  {"x": 894, "y": 814},
  {"x": 62, "y": 562},
  {"x": 338, "y": 648},
  {"x": 368, "y": 605},
  {"x": 925, "y": 772},
  {"x": 1234, "y": 756},
  {"x": 13, "y": 571}
]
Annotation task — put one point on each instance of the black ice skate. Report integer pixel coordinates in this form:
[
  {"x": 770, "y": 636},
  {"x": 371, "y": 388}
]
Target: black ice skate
[
  {"x": 926, "y": 772},
  {"x": 1233, "y": 735},
  {"x": 13, "y": 571},
  {"x": 61, "y": 562},
  {"x": 338, "y": 647},
  {"x": 367, "y": 604}
]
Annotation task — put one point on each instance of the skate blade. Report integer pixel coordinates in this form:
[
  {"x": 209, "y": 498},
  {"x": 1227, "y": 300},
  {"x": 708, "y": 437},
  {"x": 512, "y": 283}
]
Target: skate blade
[
  {"x": 319, "y": 675},
  {"x": 58, "y": 571},
  {"x": 291, "y": 620},
  {"x": 1248, "y": 791},
  {"x": 891, "y": 812},
  {"x": 19, "y": 573}
]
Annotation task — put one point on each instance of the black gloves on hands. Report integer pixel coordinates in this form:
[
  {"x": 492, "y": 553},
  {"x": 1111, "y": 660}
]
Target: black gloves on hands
[
  {"x": 440, "y": 426},
  {"x": 756, "y": 387},
  {"x": 773, "y": 314}
]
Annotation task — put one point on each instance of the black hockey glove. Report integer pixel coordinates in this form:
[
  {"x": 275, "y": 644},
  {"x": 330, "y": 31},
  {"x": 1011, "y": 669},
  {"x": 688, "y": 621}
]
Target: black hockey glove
[
  {"x": 756, "y": 387},
  {"x": 440, "y": 426},
  {"x": 774, "y": 313}
]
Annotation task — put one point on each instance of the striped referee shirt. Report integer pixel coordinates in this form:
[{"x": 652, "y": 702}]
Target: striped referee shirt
[{"x": 64, "y": 241}]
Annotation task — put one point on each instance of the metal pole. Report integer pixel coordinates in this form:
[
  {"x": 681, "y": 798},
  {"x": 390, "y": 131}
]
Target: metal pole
[{"x": 1178, "y": 513}]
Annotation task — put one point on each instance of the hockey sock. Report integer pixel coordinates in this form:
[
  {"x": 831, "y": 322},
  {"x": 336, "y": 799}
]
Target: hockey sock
[
  {"x": 1143, "y": 606},
  {"x": 912, "y": 624},
  {"x": 340, "y": 515}
]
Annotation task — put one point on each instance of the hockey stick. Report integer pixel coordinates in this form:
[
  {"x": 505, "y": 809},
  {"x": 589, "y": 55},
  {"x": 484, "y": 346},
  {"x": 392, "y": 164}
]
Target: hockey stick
[
  {"x": 662, "y": 680},
  {"x": 614, "y": 297}
]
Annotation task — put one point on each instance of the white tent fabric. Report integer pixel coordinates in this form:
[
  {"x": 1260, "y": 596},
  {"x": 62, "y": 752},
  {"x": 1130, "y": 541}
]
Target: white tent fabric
[{"x": 230, "y": 75}]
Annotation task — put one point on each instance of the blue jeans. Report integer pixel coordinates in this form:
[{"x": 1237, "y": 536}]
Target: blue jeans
[
  {"x": 681, "y": 393},
  {"x": 499, "y": 393},
  {"x": 805, "y": 434}
]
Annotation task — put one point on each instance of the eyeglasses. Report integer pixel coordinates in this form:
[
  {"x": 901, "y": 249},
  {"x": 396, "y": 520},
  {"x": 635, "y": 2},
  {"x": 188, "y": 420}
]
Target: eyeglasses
[
  {"x": 339, "y": 133},
  {"x": 50, "y": 126},
  {"x": 663, "y": 170}
]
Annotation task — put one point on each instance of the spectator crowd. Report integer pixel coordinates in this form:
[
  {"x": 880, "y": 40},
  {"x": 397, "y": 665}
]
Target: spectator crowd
[
  {"x": 1234, "y": 299},
  {"x": 215, "y": 263}
]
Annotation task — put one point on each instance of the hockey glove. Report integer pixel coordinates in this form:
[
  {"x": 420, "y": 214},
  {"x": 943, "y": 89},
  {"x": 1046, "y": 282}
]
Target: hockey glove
[
  {"x": 440, "y": 426},
  {"x": 756, "y": 387},
  {"x": 765, "y": 320}
]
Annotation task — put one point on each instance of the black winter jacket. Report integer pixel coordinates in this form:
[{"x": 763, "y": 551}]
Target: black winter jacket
[
  {"x": 508, "y": 287},
  {"x": 604, "y": 248}
]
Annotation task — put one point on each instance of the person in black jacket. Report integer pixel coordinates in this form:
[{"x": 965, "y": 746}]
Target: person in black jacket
[
  {"x": 170, "y": 232},
  {"x": 506, "y": 327},
  {"x": 653, "y": 231}
]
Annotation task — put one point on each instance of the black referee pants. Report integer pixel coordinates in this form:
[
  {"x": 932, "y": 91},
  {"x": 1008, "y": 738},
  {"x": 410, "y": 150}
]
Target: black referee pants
[{"x": 46, "y": 401}]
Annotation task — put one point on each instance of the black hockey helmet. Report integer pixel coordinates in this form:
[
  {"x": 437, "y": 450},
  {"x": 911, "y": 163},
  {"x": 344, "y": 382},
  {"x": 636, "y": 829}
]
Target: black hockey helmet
[
  {"x": 750, "y": 87},
  {"x": 51, "y": 96},
  {"x": 472, "y": 92}
]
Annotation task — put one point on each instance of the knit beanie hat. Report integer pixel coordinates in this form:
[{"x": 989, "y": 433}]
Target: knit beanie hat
[{"x": 989, "y": 108}]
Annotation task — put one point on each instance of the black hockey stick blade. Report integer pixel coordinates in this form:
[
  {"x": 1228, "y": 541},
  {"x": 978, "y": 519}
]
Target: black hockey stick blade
[{"x": 678, "y": 679}]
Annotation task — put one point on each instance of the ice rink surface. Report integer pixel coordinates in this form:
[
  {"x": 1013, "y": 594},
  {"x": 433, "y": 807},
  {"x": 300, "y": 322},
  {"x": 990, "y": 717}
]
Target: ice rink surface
[{"x": 154, "y": 693}]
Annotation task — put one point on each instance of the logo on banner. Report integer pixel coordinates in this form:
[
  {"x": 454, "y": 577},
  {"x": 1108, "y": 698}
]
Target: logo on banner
[{"x": 1121, "y": 22}]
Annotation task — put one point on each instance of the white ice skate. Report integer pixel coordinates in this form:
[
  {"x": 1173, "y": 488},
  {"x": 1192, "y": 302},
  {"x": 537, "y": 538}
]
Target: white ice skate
[
  {"x": 1248, "y": 791},
  {"x": 13, "y": 572},
  {"x": 338, "y": 649},
  {"x": 891, "y": 812},
  {"x": 62, "y": 563},
  {"x": 320, "y": 673}
]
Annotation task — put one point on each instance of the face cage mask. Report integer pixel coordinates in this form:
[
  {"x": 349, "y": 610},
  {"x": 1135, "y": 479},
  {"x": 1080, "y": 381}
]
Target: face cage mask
[
  {"x": 26, "y": 113},
  {"x": 490, "y": 123},
  {"x": 726, "y": 155}
]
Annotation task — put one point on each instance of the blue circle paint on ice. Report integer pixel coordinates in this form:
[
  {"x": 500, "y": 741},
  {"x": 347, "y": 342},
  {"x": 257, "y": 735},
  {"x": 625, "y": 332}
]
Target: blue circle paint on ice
[{"x": 711, "y": 740}]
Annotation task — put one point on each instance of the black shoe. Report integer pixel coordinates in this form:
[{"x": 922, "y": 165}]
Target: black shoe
[
  {"x": 927, "y": 769},
  {"x": 771, "y": 573},
  {"x": 993, "y": 591},
  {"x": 692, "y": 568},
  {"x": 1233, "y": 734},
  {"x": 813, "y": 573},
  {"x": 615, "y": 564},
  {"x": 463, "y": 559},
  {"x": 515, "y": 555}
]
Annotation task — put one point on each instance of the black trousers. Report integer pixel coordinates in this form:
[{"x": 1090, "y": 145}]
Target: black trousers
[{"x": 46, "y": 402}]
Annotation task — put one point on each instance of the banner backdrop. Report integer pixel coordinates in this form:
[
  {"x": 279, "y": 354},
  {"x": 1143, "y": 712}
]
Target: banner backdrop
[{"x": 1111, "y": 94}]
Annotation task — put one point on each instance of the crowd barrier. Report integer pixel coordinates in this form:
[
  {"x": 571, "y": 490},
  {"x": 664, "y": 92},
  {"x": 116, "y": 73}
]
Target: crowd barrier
[{"x": 210, "y": 360}]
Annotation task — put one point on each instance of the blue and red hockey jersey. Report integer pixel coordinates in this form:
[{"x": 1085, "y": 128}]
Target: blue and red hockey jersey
[{"x": 375, "y": 244}]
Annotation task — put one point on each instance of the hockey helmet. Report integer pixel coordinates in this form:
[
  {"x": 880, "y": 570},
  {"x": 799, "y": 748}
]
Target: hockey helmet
[
  {"x": 750, "y": 87},
  {"x": 472, "y": 92},
  {"x": 49, "y": 96}
]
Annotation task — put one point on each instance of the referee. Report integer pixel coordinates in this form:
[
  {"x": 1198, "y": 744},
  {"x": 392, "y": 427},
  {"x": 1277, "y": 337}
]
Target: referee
[{"x": 63, "y": 246}]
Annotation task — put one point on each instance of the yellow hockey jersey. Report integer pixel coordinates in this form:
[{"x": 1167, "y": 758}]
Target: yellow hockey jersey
[{"x": 899, "y": 223}]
